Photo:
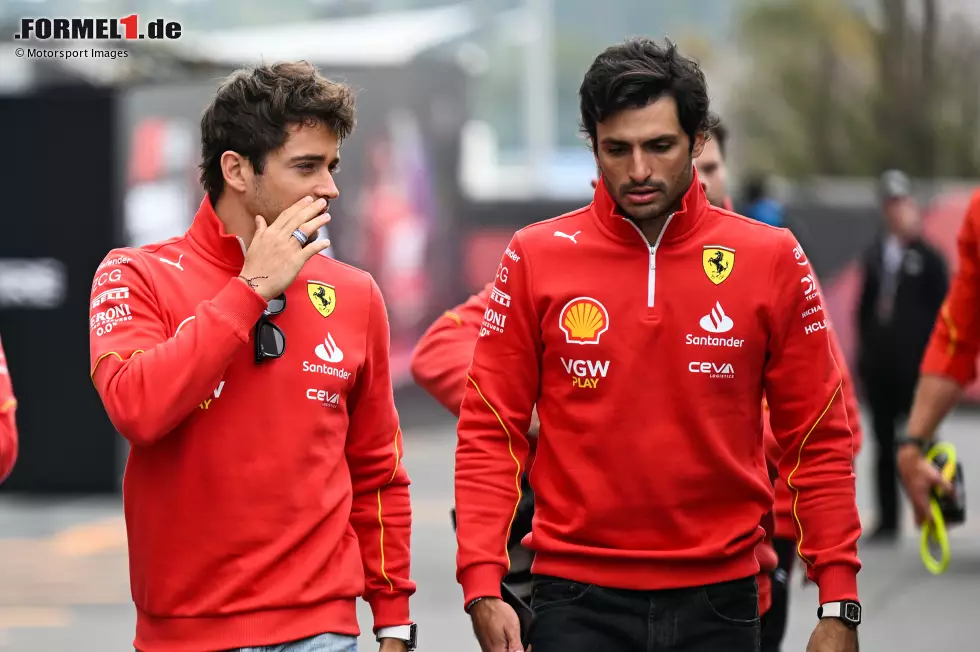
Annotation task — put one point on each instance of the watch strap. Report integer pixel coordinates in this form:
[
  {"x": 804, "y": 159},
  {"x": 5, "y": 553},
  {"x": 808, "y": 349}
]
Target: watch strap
[
  {"x": 922, "y": 444},
  {"x": 848, "y": 611},
  {"x": 401, "y": 632}
]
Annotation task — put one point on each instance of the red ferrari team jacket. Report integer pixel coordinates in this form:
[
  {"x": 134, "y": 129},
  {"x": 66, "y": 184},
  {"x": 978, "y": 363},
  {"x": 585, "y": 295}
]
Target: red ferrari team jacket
[
  {"x": 260, "y": 499},
  {"x": 439, "y": 365},
  {"x": 648, "y": 363},
  {"x": 955, "y": 340},
  {"x": 8, "y": 422}
]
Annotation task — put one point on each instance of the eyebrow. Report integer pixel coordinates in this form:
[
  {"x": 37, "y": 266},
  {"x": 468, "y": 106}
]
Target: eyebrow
[
  {"x": 314, "y": 158},
  {"x": 666, "y": 138}
]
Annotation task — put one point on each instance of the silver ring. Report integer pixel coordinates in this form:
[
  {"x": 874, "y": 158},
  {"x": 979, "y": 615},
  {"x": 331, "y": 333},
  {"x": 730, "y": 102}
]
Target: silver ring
[{"x": 299, "y": 235}]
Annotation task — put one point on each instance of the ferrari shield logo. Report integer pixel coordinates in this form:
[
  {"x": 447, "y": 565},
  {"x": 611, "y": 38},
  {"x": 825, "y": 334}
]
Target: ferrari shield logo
[
  {"x": 718, "y": 263},
  {"x": 323, "y": 297}
]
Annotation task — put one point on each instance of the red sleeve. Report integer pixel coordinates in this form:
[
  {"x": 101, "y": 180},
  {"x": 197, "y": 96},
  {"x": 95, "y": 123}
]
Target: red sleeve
[
  {"x": 443, "y": 355},
  {"x": 8, "y": 422},
  {"x": 500, "y": 394},
  {"x": 381, "y": 513},
  {"x": 151, "y": 379},
  {"x": 809, "y": 421},
  {"x": 851, "y": 405},
  {"x": 955, "y": 340}
]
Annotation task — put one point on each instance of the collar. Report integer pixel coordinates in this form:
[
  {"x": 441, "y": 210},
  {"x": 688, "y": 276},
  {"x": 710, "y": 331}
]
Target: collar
[
  {"x": 208, "y": 233},
  {"x": 694, "y": 207}
]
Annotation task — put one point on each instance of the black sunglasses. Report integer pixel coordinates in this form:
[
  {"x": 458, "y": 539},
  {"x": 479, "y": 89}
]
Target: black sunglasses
[{"x": 270, "y": 341}]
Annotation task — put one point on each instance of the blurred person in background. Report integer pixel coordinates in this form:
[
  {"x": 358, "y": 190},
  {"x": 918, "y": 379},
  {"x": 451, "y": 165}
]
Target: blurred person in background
[
  {"x": 264, "y": 490},
  {"x": 759, "y": 205},
  {"x": 8, "y": 420},
  {"x": 712, "y": 169},
  {"x": 622, "y": 434},
  {"x": 949, "y": 365},
  {"x": 905, "y": 280}
]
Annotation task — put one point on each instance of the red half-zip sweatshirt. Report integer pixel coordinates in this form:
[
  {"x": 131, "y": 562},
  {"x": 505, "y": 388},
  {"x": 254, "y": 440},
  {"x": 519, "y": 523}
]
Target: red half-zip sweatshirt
[
  {"x": 260, "y": 500},
  {"x": 8, "y": 421},
  {"x": 955, "y": 341},
  {"x": 648, "y": 363},
  {"x": 439, "y": 365}
]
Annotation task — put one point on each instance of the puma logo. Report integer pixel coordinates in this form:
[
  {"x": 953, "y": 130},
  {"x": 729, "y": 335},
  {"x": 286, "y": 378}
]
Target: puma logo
[
  {"x": 170, "y": 262},
  {"x": 559, "y": 234}
]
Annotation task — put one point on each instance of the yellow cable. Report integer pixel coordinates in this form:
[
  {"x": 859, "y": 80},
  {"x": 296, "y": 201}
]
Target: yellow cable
[{"x": 936, "y": 529}]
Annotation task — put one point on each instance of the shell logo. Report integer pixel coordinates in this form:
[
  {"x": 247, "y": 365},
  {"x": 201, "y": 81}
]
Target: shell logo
[{"x": 583, "y": 320}]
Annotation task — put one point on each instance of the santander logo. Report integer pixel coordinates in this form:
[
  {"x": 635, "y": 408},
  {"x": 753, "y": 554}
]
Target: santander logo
[
  {"x": 329, "y": 351},
  {"x": 717, "y": 321}
]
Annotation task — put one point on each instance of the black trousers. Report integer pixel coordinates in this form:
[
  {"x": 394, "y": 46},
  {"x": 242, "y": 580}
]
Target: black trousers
[
  {"x": 774, "y": 620},
  {"x": 575, "y": 617},
  {"x": 890, "y": 403}
]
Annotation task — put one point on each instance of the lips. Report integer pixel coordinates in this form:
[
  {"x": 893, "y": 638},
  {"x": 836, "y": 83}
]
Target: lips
[{"x": 642, "y": 196}]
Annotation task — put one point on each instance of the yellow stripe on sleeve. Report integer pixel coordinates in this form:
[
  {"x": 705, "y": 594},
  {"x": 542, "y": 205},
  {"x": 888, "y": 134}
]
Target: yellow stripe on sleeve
[
  {"x": 789, "y": 480},
  {"x": 106, "y": 355},
  {"x": 517, "y": 464},
  {"x": 953, "y": 331},
  {"x": 452, "y": 315},
  {"x": 381, "y": 523}
]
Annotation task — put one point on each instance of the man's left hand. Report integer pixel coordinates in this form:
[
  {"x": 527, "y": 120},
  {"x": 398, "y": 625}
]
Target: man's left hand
[
  {"x": 832, "y": 635},
  {"x": 393, "y": 645}
]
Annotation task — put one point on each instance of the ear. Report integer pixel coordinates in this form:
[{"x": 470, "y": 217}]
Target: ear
[
  {"x": 699, "y": 141},
  {"x": 237, "y": 171}
]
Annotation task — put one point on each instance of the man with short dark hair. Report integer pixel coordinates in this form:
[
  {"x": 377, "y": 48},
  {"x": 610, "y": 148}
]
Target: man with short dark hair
[
  {"x": 646, "y": 328},
  {"x": 264, "y": 490}
]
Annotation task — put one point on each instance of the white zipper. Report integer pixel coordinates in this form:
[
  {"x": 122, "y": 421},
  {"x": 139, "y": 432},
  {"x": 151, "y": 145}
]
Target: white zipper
[{"x": 652, "y": 274}]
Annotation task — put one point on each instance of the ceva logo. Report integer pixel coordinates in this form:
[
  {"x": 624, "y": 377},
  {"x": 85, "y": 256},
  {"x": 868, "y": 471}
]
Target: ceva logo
[{"x": 713, "y": 369}]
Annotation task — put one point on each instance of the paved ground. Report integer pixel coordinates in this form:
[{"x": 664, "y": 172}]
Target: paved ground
[{"x": 63, "y": 575}]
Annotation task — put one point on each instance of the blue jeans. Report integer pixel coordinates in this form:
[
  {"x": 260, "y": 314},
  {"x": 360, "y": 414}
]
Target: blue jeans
[{"x": 321, "y": 643}]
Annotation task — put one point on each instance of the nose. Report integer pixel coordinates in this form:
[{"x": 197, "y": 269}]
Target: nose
[
  {"x": 640, "y": 170},
  {"x": 327, "y": 188}
]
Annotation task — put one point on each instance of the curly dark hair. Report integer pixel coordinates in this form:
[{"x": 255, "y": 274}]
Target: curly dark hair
[
  {"x": 637, "y": 72},
  {"x": 253, "y": 108}
]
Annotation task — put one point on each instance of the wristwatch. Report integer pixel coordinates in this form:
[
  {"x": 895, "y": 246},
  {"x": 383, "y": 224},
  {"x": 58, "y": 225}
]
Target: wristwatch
[
  {"x": 922, "y": 444},
  {"x": 848, "y": 611},
  {"x": 407, "y": 633}
]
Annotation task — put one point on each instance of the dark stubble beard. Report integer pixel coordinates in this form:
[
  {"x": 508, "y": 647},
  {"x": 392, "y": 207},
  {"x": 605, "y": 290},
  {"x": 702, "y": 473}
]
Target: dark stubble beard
[{"x": 673, "y": 205}]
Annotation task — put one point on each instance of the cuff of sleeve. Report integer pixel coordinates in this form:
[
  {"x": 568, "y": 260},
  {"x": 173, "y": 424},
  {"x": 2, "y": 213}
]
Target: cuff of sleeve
[
  {"x": 240, "y": 305},
  {"x": 960, "y": 366},
  {"x": 481, "y": 581},
  {"x": 837, "y": 582},
  {"x": 390, "y": 610}
]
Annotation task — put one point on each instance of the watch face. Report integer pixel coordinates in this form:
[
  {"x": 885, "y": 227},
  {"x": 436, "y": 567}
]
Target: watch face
[{"x": 852, "y": 612}]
